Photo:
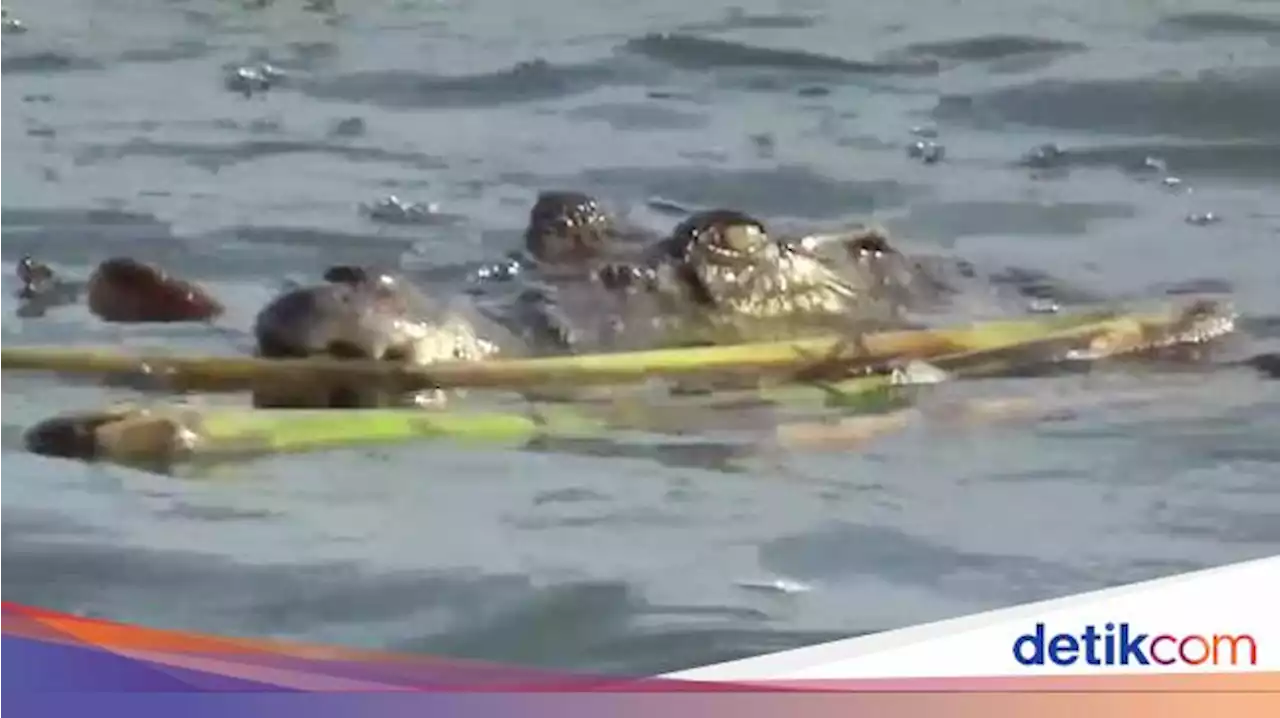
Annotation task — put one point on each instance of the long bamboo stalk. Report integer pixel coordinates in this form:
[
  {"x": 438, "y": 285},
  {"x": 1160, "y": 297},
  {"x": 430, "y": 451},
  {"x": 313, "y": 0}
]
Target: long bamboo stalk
[
  {"x": 1197, "y": 323},
  {"x": 779, "y": 359},
  {"x": 163, "y": 435},
  {"x": 160, "y": 436},
  {"x": 1118, "y": 337}
]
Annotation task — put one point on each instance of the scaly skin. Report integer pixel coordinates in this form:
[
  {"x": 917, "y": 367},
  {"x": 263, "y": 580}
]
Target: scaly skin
[
  {"x": 358, "y": 314},
  {"x": 569, "y": 229},
  {"x": 864, "y": 257},
  {"x": 573, "y": 248},
  {"x": 721, "y": 278},
  {"x": 718, "y": 277}
]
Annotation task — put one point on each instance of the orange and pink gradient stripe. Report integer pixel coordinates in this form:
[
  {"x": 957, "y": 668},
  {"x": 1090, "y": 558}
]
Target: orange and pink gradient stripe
[{"x": 60, "y": 664}]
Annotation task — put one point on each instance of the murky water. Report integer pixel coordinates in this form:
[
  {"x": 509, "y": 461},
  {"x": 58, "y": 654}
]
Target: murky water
[{"x": 120, "y": 136}]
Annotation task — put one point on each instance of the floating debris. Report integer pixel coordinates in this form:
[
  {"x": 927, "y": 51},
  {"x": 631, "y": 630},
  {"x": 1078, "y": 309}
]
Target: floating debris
[
  {"x": 36, "y": 277},
  {"x": 925, "y": 131},
  {"x": 1152, "y": 164},
  {"x": 1172, "y": 182},
  {"x": 1201, "y": 219},
  {"x": 249, "y": 79},
  {"x": 777, "y": 585},
  {"x": 8, "y": 24},
  {"x": 348, "y": 127},
  {"x": 917, "y": 372},
  {"x": 764, "y": 143},
  {"x": 12, "y": 25},
  {"x": 667, "y": 206},
  {"x": 927, "y": 151},
  {"x": 1043, "y": 306},
  {"x": 396, "y": 211},
  {"x": 1046, "y": 156},
  {"x": 501, "y": 271}
]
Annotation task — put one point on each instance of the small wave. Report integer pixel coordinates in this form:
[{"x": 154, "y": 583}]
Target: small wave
[
  {"x": 690, "y": 52},
  {"x": 1263, "y": 327},
  {"x": 627, "y": 116},
  {"x": 214, "y": 156},
  {"x": 181, "y": 50},
  {"x": 46, "y": 62},
  {"x": 81, "y": 237},
  {"x": 847, "y": 549},
  {"x": 1215, "y": 105},
  {"x": 1196, "y": 25},
  {"x": 525, "y": 82},
  {"x": 725, "y": 457},
  {"x": 785, "y": 191},
  {"x": 598, "y": 629},
  {"x": 736, "y": 19},
  {"x": 1197, "y": 286},
  {"x": 1250, "y": 160},
  {"x": 75, "y": 218},
  {"x": 957, "y": 219},
  {"x": 310, "y": 238},
  {"x": 985, "y": 48}
]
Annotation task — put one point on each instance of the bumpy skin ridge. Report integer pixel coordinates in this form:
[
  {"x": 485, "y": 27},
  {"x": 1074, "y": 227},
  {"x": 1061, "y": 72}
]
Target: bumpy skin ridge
[
  {"x": 721, "y": 277},
  {"x": 717, "y": 277},
  {"x": 568, "y": 228},
  {"x": 359, "y": 316}
]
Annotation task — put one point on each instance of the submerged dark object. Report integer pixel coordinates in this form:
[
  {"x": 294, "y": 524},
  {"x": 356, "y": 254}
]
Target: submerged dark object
[{"x": 122, "y": 289}]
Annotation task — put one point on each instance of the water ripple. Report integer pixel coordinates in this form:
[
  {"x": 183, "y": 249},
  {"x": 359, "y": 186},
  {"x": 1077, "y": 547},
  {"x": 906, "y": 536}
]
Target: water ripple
[
  {"x": 689, "y": 52},
  {"x": 986, "y": 48},
  {"x": 525, "y": 82},
  {"x": 737, "y": 19},
  {"x": 846, "y": 550},
  {"x": 786, "y": 191},
  {"x": 1195, "y": 25},
  {"x": 217, "y": 155},
  {"x": 46, "y": 62},
  {"x": 1237, "y": 105}
]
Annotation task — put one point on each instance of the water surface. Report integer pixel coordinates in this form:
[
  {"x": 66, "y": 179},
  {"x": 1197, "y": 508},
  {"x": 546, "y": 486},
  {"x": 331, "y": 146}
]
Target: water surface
[{"x": 120, "y": 137}]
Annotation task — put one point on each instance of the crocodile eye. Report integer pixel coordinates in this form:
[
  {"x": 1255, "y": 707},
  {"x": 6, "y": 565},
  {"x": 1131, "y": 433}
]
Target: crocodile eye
[
  {"x": 872, "y": 246},
  {"x": 566, "y": 226}
]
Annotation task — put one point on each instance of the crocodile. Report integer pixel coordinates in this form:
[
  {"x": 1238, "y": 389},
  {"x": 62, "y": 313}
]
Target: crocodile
[{"x": 586, "y": 284}]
